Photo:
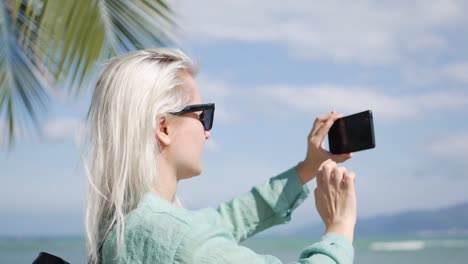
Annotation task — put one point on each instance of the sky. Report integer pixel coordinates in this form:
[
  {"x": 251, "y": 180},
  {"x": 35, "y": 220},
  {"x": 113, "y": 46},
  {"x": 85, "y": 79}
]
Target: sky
[{"x": 272, "y": 69}]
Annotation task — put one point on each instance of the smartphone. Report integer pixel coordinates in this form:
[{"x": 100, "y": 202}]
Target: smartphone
[{"x": 352, "y": 133}]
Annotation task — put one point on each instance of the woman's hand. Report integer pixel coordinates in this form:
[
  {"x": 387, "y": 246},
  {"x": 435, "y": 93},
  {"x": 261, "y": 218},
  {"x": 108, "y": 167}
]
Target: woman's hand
[
  {"x": 335, "y": 199},
  {"x": 316, "y": 155}
]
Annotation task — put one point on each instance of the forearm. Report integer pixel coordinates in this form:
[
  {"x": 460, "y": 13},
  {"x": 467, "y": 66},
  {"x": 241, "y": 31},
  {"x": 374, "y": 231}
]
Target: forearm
[
  {"x": 306, "y": 171},
  {"x": 268, "y": 204}
]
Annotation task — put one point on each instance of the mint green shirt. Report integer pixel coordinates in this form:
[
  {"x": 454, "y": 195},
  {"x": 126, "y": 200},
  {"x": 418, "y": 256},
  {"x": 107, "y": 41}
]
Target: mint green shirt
[{"x": 159, "y": 232}]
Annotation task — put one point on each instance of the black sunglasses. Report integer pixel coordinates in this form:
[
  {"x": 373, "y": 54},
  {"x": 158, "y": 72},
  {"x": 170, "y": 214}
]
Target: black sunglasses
[{"x": 206, "y": 117}]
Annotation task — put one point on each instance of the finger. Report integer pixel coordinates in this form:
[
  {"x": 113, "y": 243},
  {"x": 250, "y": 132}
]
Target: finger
[
  {"x": 324, "y": 117},
  {"x": 317, "y": 126},
  {"x": 323, "y": 130},
  {"x": 348, "y": 180},
  {"x": 318, "y": 123},
  {"x": 320, "y": 179},
  {"x": 335, "y": 176},
  {"x": 324, "y": 162},
  {"x": 330, "y": 164},
  {"x": 327, "y": 169},
  {"x": 338, "y": 175},
  {"x": 339, "y": 158}
]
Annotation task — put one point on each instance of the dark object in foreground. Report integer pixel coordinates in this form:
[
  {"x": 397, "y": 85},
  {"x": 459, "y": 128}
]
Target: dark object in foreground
[
  {"x": 352, "y": 133},
  {"x": 46, "y": 258}
]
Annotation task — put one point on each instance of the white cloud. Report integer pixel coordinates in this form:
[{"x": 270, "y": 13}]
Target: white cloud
[
  {"x": 443, "y": 75},
  {"x": 457, "y": 72},
  {"x": 356, "y": 31},
  {"x": 454, "y": 147},
  {"x": 61, "y": 129},
  {"x": 350, "y": 99}
]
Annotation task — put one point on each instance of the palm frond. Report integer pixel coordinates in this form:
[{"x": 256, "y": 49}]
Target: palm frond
[
  {"x": 46, "y": 43},
  {"x": 88, "y": 31},
  {"x": 22, "y": 87}
]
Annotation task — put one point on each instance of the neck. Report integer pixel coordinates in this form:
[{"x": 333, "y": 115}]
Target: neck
[{"x": 166, "y": 184}]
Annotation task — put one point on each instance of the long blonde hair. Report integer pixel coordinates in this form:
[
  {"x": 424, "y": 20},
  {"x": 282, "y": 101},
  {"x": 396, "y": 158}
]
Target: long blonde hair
[{"x": 120, "y": 149}]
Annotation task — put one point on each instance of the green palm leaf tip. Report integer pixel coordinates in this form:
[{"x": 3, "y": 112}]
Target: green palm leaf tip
[
  {"x": 22, "y": 87},
  {"x": 89, "y": 31},
  {"x": 46, "y": 44}
]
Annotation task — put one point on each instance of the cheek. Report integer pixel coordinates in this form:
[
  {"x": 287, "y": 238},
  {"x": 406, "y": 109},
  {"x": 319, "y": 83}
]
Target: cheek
[
  {"x": 187, "y": 153},
  {"x": 189, "y": 142}
]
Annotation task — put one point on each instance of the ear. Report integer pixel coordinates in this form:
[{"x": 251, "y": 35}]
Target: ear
[{"x": 162, "y": 132}]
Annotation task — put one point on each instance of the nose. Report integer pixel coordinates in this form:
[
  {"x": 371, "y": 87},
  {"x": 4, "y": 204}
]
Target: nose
[{"x": 207, "y": 135}]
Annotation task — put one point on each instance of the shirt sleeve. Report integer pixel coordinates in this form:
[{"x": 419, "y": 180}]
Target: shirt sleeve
[
  {"x": 213, "y": 248},
  {"x": 264, "y": 206}
]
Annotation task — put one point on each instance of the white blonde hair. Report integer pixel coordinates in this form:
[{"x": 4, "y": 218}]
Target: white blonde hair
[{"x": 119, "y": 153}]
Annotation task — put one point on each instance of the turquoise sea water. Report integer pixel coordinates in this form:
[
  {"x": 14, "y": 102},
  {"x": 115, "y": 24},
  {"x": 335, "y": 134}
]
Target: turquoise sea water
[{"x": 452, "y": 250}]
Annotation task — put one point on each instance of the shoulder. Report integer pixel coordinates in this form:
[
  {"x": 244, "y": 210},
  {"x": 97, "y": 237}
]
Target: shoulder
[
  {"x": 156, "y": 216},
  {"x": 158, "y": 224},
  {"x": 144, "y": 220},
  {"x": 151, "y": 234},
  {"x": 156, "y": 231},
  {"x": 164, "y": 235}
]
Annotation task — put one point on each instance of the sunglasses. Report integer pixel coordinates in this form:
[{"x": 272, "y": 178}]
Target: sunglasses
[{"x": 206, "y": 117}]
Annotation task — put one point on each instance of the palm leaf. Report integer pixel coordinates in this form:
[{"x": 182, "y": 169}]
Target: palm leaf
[
  {"x": 46, "y": 43},
  {"x": 22, "y": 93},
  {"x": 88, "y": 31}
]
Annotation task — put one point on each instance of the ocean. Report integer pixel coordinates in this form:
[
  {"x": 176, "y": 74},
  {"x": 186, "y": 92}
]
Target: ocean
[{"x": 383, "y": 250}]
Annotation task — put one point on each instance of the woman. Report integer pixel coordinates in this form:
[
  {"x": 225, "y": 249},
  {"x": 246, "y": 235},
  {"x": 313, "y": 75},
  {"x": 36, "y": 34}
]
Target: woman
[{"x": 147, "y": 127}]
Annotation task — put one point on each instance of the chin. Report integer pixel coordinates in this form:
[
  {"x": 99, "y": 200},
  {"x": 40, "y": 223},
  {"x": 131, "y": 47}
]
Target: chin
[
  {"x": 193, "y": 172},
  {"x": 198, "y": 171}
]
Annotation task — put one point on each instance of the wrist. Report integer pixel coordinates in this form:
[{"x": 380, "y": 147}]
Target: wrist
[
  {"x": 346, "y": 230},
  {"x": 306, "y": 171}
]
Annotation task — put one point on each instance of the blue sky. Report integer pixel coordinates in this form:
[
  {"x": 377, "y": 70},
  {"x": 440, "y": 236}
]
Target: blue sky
[{"x": 271, "y": 69}]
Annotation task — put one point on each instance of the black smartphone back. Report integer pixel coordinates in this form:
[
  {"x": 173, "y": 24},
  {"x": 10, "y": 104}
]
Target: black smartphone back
[{"x": 352, "y": 133}]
